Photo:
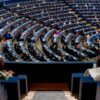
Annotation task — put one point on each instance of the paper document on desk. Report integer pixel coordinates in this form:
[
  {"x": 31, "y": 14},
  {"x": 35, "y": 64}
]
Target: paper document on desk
[{"x": 94, "y": 73}]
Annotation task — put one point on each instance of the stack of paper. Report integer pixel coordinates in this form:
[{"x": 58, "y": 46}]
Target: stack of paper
[{"x": 94, "y": 73}]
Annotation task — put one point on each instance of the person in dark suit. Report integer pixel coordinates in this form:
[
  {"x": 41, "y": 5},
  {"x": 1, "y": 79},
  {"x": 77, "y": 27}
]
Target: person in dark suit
[
  {"x": 16, "y": 46},
  {"x": 98, "y": 61}
]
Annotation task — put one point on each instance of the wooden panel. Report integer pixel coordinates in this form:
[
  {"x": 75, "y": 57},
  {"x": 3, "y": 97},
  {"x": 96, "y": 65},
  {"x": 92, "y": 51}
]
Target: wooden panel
[{"x": 49, "y": 86}]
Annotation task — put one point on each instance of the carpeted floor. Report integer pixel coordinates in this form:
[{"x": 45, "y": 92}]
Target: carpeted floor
[{"x": 49, "y": 95}]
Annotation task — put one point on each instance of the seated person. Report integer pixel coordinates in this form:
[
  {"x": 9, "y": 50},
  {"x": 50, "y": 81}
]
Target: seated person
[
  {"x": 1, "y": 63},
  {"x": 57, "y": 33},
  {"x": 18, "y": 5},
  {"x": 54, "y": 46},
  {"x": 4, "y": 41},
  {"x": 5, "y": 75},
  {"x": 98, "y": 62},
  {"x": 25, "y": 57},
  {"x": 17, "y": 48},
  {"x": 95, "y": 71},
  {"x": 55, "y": 37}
]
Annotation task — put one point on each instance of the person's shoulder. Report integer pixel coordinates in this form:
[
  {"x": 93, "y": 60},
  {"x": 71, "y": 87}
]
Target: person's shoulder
[
  {"x": 1, "y": 72},
  {"x": 3, "y": 75}
]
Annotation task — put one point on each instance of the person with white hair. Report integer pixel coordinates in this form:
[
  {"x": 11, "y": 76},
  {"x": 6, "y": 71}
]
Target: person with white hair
[{"x": 95, "y": 71}]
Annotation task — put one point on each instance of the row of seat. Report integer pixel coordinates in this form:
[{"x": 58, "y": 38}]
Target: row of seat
[
  {"x": 88, "y": 10},
  {"x": 26, "y": 33}
]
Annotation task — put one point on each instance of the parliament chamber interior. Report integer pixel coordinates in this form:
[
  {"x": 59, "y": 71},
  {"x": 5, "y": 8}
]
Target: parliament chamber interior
[{"x": 64, "y": 34}]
